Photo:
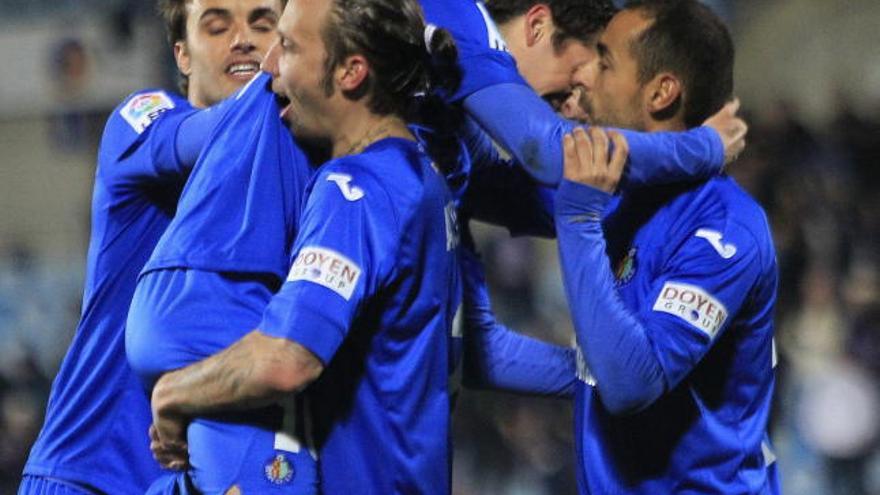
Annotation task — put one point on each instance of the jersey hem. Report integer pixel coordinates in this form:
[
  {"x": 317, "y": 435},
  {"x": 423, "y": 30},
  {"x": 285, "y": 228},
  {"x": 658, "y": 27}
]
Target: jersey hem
[{"x": 92, "y": 483}]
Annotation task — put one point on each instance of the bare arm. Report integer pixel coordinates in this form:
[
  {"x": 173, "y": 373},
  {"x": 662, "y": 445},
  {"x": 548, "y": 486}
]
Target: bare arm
[{"x": 254, "y": 372}]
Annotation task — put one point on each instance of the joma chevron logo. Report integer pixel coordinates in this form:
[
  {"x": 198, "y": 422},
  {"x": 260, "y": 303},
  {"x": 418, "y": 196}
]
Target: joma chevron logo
[
  {"x": 726, "y": 250},
  {"x": 351, "y": 193}
]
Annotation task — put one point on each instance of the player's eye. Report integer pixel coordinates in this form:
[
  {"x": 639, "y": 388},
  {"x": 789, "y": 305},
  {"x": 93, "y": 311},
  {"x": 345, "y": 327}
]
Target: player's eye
[
  {"x": 216, "y": 27},
  {"x": 263, "y": 26}
]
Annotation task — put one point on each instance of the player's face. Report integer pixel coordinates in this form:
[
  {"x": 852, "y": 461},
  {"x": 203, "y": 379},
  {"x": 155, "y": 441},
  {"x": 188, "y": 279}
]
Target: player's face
[
  {"x": 548, "y": 69},
  {"x": 297, "y": 65},
  {"x": 611, "y": 93},
  {"x": 225, "y": 42}
]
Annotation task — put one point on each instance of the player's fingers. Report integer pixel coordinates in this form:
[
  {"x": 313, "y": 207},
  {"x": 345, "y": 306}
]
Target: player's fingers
[
  {"x": 619, "y": 156},
  {"x": 600, "y": 148},
  {"x": 173, "y": 464},
  {"x": 735, "y": 150},
  {"x": 736, "y": 142},
  {"x": 733, "y": 106},
  {"x": 168, "y": 456},
  {"x": 738, "y": 128},
  {"x": 570, "y": 159},
  {"x": 584, "y": 149}
]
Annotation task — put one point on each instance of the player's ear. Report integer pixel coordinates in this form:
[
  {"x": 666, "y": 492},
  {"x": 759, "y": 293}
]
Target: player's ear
[
  {"x": 663, "y": 95},
  {"x": 352, "y": 72},
  {"x": 181, "y": 56},
  {"x": 538, "y": 22}
]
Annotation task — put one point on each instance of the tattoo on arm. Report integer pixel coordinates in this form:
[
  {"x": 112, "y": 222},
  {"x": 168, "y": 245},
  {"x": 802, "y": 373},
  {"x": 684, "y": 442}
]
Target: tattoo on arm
[{"x": 254, "y": 372}]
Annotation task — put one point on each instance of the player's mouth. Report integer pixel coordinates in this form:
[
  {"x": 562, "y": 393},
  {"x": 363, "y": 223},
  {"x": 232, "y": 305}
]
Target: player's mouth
[
  {"x": 284, "y": 105},
  {"x": 243, "y": 71}
]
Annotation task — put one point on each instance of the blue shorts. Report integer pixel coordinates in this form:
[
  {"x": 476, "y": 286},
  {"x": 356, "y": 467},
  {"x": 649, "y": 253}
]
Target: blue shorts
[
  {"x": 181, "y": 316},
  {"x": 41, "y": 485}
]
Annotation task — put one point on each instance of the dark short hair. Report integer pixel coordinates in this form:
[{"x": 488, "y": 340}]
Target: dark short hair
[
  {"x": 690, "y": 41},
  {"x": 173, "y": 13},
  {"x": 578, "y": 20},
  {"x": 390, "y": 34}
]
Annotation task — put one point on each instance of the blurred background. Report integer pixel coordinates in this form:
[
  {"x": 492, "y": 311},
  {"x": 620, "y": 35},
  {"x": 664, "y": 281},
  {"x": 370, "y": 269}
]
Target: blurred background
[{"x": 809, "y": 77}]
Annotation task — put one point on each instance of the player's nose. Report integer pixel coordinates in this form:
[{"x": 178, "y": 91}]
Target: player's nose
[
  {"x": 585, "y": 75},
  {"x": 270, "y": 61},
  {"x": 242, "y": 39}
]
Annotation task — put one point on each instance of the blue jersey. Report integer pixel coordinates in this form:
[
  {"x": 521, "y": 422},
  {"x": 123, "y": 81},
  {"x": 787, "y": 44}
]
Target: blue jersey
[
  {"x": 96, "y": 421},
  {"x": 240, "y": 209},
  {"x": 676, "y": 341},
  {"x": 482, "y": 53},
  {"x": 372, "y": 293},
  {"x": 496, "y": 95},
  {"x": 492, "y": 356},
  {"x": 209, "y": 280},
  {"x": 238, "y": 213}
]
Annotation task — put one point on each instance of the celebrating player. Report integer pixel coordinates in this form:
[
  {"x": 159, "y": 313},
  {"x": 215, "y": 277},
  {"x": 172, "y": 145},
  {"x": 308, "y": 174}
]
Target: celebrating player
[
  {"x": 91, "y": 441},
  {"x": 370, "y": 297},
  {"x": 672, "y": 293},
  {"x": 507, "y": 108},
  {"x": 208, "y": 282},
  {"x": 547, "y": 39}
]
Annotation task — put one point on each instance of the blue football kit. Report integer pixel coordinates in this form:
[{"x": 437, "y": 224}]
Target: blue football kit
[
  {"x": 207, "y": 284},
  {"x": 482, "y": 54},
  {"x": 372, "y": 292},
  {"x": 94, "y": 436},
  {"x": 509, "y": 110},
  {"x": 672, "y": 298}
]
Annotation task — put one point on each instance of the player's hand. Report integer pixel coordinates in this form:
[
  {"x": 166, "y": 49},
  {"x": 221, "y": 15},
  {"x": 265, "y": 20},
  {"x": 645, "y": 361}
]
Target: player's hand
[
  {"x": 168, "y": 432},
  {"x": 571, "y": 106},
  {"x": 169, "y": 454},
  {"x": 731, "y": 128},
  {"x": 587, "y": 160}
]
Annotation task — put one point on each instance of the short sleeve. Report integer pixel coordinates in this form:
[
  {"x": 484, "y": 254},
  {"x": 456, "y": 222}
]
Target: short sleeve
[
  {"x": 138, "y": 144},
  {"x": 344, "y": 250},
  {"x": 708, "y": 279}
]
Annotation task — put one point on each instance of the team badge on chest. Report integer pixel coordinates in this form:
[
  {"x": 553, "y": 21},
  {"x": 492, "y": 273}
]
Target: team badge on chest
[{"x": 279, "y": 470}]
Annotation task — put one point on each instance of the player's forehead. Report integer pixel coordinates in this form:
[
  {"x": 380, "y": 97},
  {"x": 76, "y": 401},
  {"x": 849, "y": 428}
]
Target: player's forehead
[
  {"x": 622, "y": 30},
  {"x": 302, "y": 19},
  {"x": 198, "y": 9}
]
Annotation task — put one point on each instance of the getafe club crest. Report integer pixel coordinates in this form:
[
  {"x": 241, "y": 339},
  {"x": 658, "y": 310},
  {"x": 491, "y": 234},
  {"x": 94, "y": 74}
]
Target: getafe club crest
[
  {"x": 279, "y": 470},
  {"x": 626, "y": 268}
]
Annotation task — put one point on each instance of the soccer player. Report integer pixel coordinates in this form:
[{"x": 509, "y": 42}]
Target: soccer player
[
  {"x": 548, "y": 40},
  {"x": 92, "y": 440},
  {"x": 671, "y": 288},
  {"x": 543, "y": 37},
  {"x": 371, "y": 294},
  {"x": 208, "y": 282}
]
